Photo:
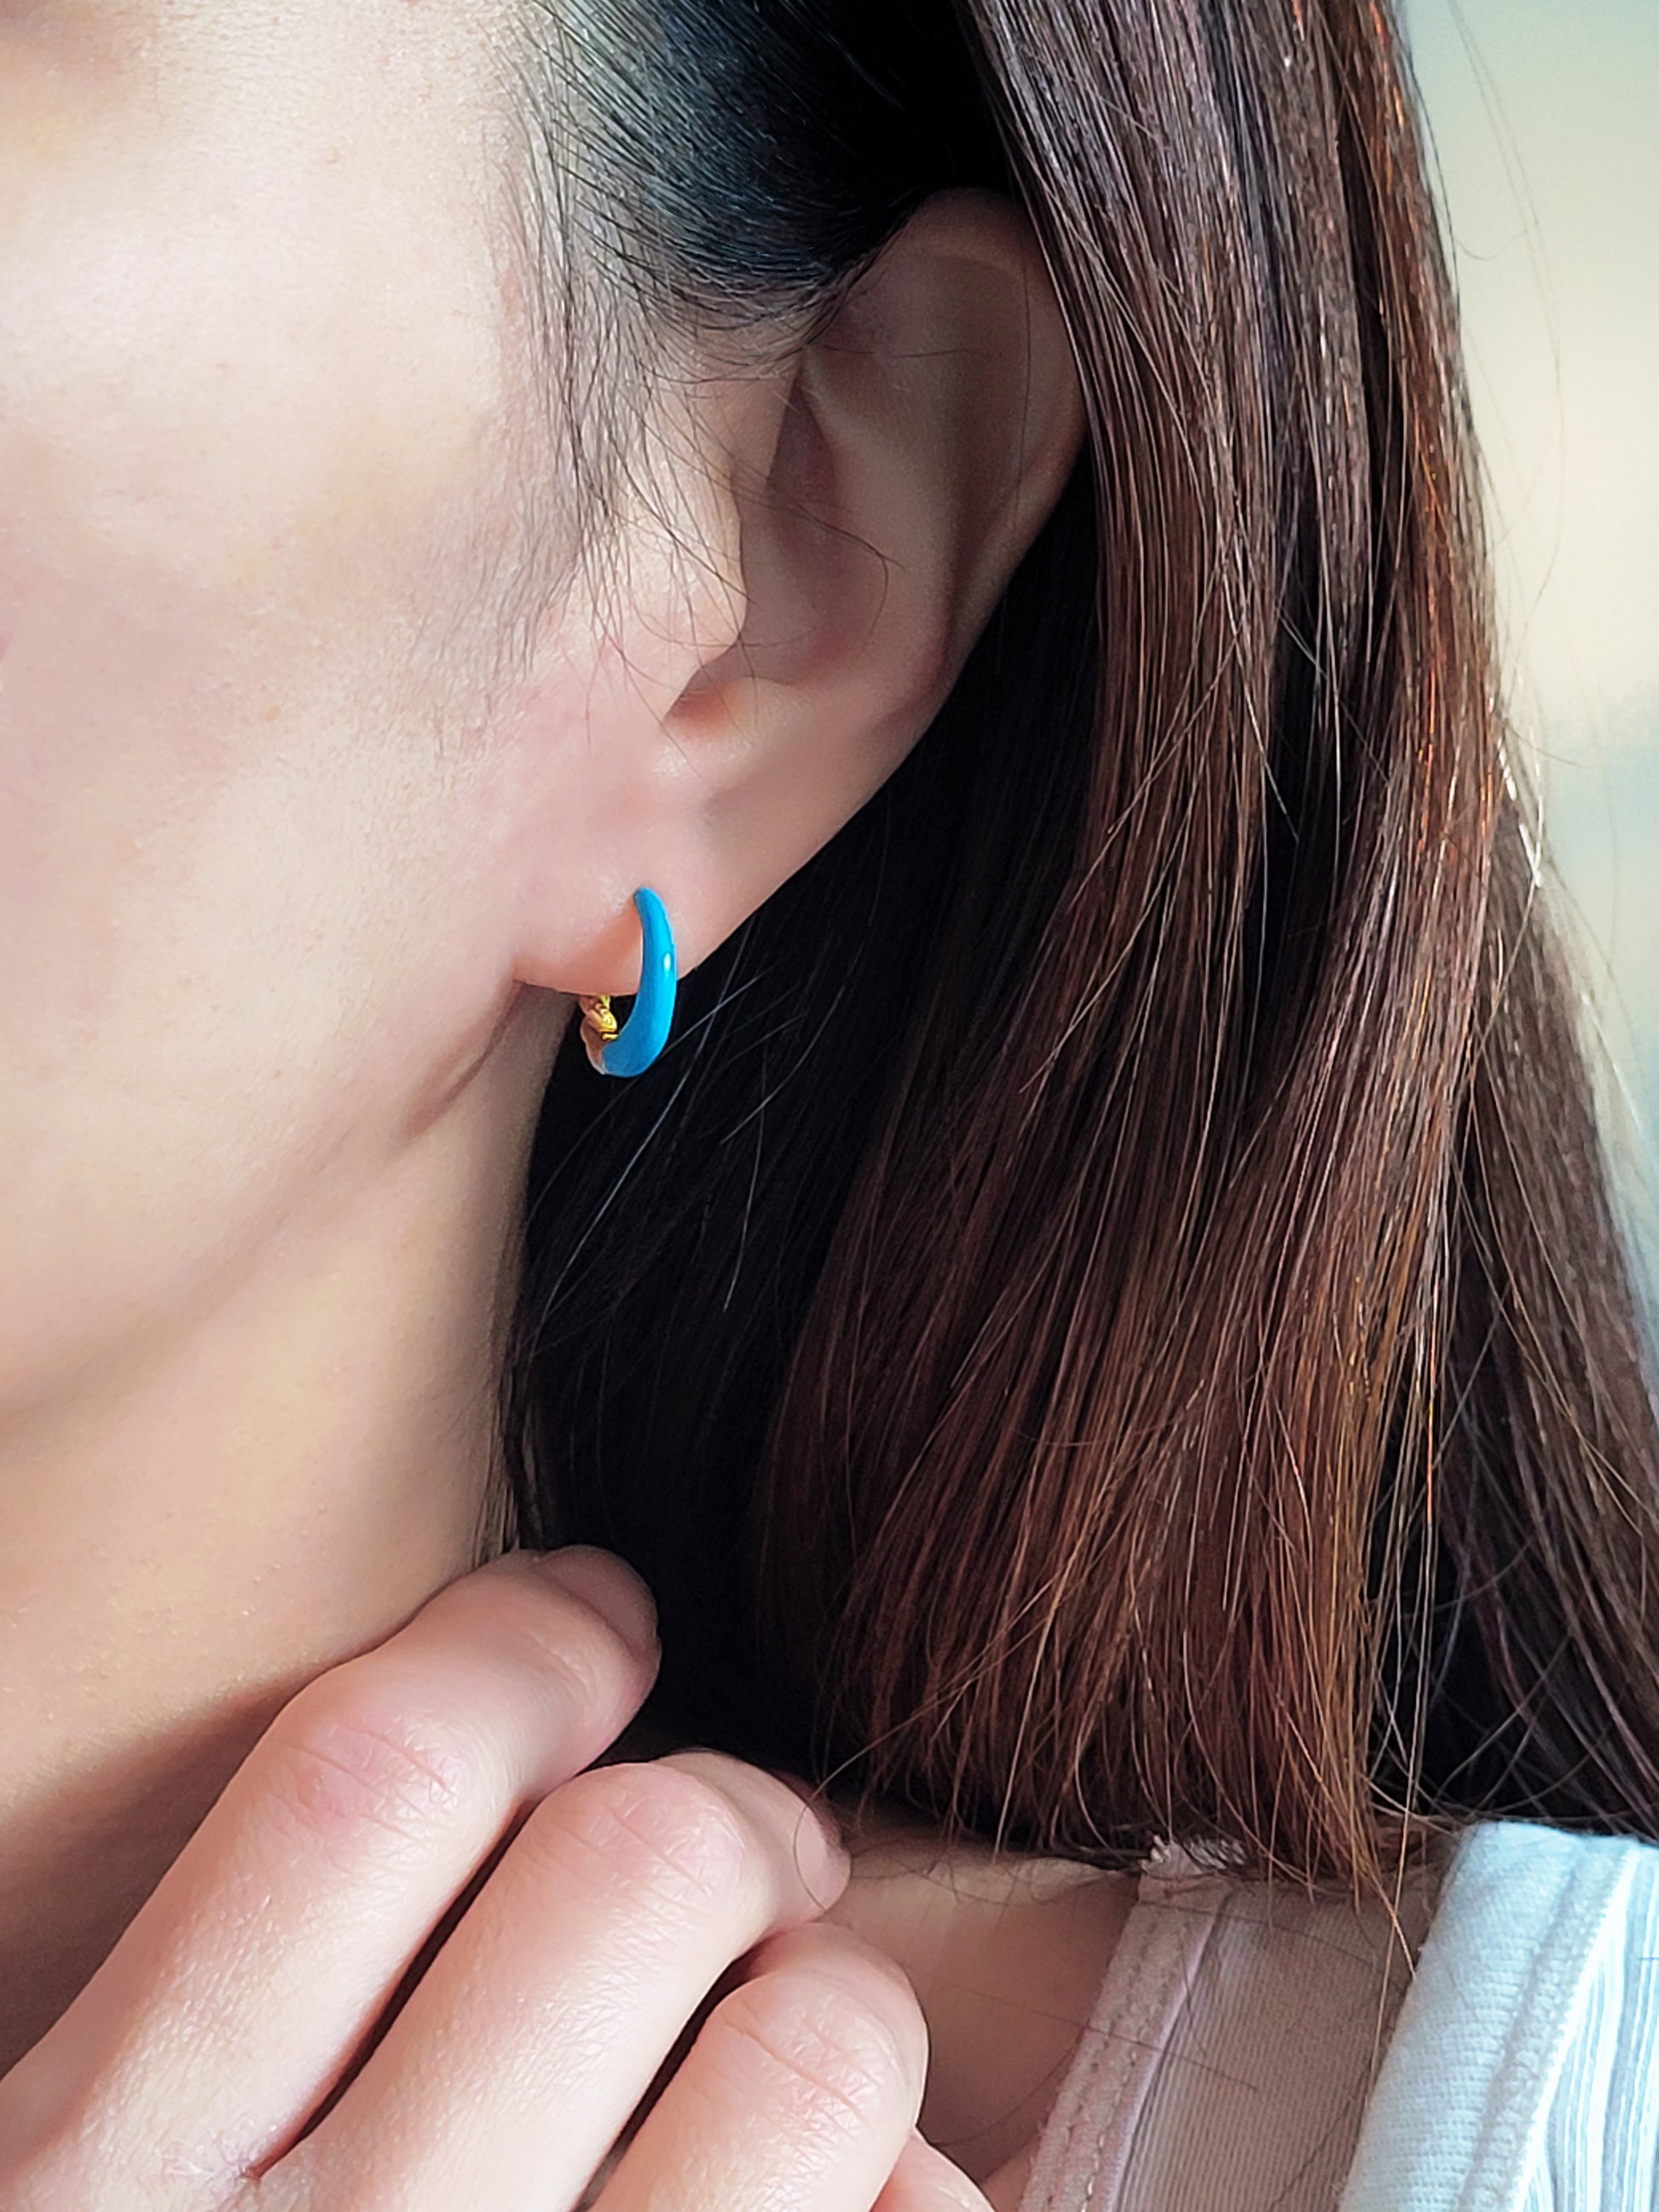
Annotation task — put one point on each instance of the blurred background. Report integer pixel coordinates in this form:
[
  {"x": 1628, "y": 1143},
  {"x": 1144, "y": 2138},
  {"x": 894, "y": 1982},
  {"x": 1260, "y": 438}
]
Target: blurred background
[{"x": 1544, "y": 121}]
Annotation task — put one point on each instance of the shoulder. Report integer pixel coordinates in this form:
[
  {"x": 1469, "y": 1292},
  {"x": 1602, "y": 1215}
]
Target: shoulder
[{"x": 1524, "y": 2067}]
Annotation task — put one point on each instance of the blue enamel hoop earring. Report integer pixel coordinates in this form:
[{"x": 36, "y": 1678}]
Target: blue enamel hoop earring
[{"x": 631, "y": 1050}]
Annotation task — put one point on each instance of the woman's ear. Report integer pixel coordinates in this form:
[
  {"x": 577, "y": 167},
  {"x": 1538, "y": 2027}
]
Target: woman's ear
[{"x": 862, "y": 512}]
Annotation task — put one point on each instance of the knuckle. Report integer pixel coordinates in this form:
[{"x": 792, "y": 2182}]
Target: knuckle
[
  {"x": 801, "y": 1843},
  {"x": 570, "y": 1648},
  {"x": 810, "y": 2043},
  {"x": 751, "y": 1787},
  {"x": 672, "y": 1840},
  {"x": 348, "y": 1759}
]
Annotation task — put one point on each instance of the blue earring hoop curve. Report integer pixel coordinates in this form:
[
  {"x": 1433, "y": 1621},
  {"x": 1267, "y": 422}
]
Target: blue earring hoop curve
[{"x": 631, "y": 1050}]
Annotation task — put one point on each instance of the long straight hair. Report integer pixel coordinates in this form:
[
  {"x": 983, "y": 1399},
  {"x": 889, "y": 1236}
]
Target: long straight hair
[{"x": 1107, "y": 1323}]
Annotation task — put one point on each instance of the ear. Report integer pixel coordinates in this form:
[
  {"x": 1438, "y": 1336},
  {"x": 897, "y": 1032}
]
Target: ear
[{"x": 859, "y": 512}]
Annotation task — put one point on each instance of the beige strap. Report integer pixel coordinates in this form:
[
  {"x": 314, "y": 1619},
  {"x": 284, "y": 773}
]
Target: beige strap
[{"x": 1239, "y": 2031}]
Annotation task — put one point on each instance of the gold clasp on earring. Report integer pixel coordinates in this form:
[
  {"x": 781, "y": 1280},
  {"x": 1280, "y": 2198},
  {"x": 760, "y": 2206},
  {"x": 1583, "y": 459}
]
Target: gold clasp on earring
[{"x": 600, "y": 1025}]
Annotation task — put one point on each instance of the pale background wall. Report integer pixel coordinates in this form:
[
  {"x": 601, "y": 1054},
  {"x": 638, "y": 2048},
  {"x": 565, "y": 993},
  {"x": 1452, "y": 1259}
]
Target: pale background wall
[{"x": 1545, "y": 120}]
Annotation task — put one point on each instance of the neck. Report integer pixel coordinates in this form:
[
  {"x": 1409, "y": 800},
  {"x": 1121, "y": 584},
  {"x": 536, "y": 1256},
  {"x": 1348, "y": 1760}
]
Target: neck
[
  {"x": 281, "y": 1484},
  {"x": 1006, "y": 1956},
  {"x": 273, "y": 1485}
]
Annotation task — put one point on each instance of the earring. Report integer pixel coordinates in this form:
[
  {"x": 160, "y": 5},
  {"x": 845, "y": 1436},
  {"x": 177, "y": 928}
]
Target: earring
[{"x": 631, "y": 1050}]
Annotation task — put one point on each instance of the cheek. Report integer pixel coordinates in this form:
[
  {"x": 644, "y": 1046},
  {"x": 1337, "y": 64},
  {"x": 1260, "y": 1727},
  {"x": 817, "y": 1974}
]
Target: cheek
[
  {"x": 247, "y": 288},
  {"x": 248, "y": 419}
]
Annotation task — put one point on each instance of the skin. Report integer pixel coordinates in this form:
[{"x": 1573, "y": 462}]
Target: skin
[{"x": 309, "y": 845}]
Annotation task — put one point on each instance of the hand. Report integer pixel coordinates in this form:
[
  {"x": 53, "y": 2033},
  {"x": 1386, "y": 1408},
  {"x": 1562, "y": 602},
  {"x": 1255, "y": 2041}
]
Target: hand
[{"x": 424, "y": 1955}]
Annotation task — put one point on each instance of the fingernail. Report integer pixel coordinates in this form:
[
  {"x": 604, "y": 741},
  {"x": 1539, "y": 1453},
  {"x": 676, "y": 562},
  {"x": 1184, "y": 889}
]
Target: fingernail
[{"x": 610, "y": 1585}]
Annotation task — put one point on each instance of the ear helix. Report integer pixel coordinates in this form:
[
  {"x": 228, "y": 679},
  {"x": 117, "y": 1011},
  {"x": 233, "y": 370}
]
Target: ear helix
[{"x": 631, "y": 1050}]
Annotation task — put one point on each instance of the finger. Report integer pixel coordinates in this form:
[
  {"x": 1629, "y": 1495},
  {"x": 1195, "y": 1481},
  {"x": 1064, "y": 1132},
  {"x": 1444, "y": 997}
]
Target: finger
[
  {"x": 799, "y": 2095},
  {"x": 925, "y": 2180},
  {"x": 247, "y": 1984},
  {"x": 541, "y": 2024}
]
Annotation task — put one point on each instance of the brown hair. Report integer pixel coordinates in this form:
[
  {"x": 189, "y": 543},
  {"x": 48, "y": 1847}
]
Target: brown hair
[{"x": 1107, "y": 1322}]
